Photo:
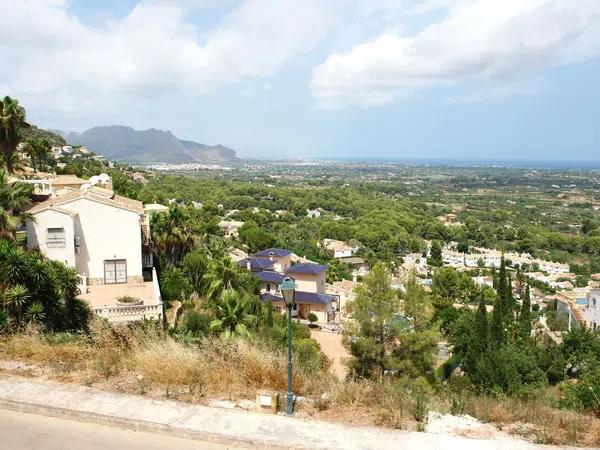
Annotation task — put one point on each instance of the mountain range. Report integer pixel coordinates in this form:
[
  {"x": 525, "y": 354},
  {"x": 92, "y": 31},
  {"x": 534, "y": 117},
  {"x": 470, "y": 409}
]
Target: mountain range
[{"x": 121, "y": 143}]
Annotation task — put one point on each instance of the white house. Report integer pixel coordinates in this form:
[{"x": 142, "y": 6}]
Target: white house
[
  {"x": 313, "y": 213},
  {"x": 340, "y": 249},
  {"x": 106, "y": 238},
  {"x": 591, "y": 309}
]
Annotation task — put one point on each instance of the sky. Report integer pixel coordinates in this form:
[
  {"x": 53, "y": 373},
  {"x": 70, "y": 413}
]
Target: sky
[{"x": 391, "y": 79}]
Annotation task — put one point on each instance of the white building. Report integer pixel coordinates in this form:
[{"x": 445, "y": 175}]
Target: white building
[
  {"x": 340, "y": 249},
  {"x": 106, "y": 238},
  {"x": 591, "y": 309}
]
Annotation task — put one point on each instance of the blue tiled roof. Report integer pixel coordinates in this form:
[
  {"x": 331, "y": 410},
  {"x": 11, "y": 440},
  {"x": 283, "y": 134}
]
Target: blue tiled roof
[
  {"x": 313, "y": 297},
  {"x": 308, "y": 268},
  {"x": 301, "y": 297},
  {"x": 275, "y": 251},
  {"x": 257, "y": 264},
  {"x": 268, "y": 276}
]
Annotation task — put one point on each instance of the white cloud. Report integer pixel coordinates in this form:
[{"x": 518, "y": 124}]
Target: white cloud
[
  {"x": 59, "y": 63},
  {"x": 479, "y": 39}
]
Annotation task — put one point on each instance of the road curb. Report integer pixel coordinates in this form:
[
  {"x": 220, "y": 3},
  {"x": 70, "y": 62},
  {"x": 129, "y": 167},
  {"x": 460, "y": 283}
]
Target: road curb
[{"x": 139, "y": 425}]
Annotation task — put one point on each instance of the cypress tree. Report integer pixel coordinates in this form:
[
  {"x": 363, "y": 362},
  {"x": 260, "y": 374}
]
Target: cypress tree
[
  {"x": 499, "y": 313},
  {"x": 510, "y": 299},
  {"x": 494, "y": 278},
  {"x": 525, "y": 316},
  {"x": 481, "y": 325}
]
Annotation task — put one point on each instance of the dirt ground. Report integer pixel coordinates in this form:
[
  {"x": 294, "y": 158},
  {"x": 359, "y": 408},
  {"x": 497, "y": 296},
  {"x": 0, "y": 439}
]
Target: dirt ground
[{"x": 331, "y": 345}]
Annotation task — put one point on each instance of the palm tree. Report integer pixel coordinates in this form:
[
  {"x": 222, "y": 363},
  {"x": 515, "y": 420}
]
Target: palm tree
[
  {"x": 13, "y": 199},
  {"x": 16, "y": 296},
  {"x": 12, "y": 119},
  {"x": 38, "y": 150},
  {"x": 233, "y": 318},
  {"x": 223, "y": 274},
  {"x": 35, "y": 312},
  {"x": 172, "y": 234}
]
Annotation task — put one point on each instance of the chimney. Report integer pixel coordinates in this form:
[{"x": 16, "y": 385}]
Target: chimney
[
  {"x": 248, "y": 265},
  {"x": 271, "y": 256}
]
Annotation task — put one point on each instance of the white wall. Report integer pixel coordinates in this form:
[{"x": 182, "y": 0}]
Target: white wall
[
  {"x": 106, "y": 232},
  {"x": 592, "y": 311},
  {"x": 37, "y": 234},
  {"x": 342, "y": 253}
]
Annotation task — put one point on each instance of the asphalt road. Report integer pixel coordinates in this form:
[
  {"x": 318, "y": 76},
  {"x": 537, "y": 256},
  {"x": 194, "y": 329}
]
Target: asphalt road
[{"x": 20, "y": 431}]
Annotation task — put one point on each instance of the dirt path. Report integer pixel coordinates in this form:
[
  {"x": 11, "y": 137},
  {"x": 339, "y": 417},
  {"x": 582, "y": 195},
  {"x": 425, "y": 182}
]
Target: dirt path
[{"x": 331, "y": 345}]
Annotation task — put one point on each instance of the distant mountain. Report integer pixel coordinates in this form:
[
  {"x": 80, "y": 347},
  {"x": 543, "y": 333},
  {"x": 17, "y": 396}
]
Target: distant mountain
[{"x": 119, "y": 143}]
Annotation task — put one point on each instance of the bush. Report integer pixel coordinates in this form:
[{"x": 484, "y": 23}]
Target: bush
[
  {"x": 195, "y": 323},
  {"x": 174, "y": 285},
  {"x": 583, "y": 394},
  {"x": 312, "y": 318}
]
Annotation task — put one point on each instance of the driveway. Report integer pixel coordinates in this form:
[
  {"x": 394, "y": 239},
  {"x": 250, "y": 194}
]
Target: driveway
[{"x": 331, "y": 345}]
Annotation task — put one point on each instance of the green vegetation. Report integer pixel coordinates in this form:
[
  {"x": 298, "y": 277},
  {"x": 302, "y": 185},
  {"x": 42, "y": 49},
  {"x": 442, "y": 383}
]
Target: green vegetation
[{"x": 226, "y": 342}]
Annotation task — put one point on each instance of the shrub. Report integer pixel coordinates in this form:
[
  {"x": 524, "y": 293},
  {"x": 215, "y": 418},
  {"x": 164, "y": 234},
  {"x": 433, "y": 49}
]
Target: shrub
[
  {"x": 312, "y": 318},
  {"x": 583, "y": 394},
  {"x": 174, "y": 285},
  {"x": 195, "y": 323}
]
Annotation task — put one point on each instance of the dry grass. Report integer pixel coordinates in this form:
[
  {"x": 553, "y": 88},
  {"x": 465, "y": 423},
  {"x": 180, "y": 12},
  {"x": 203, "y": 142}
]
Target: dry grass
[{"x": 148, "y": 361}]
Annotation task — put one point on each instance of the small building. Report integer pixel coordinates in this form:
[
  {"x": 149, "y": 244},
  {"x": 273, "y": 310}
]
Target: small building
[
  {"x": 106, "y": 238},
  {"x": 66, "y": 182},
  {"x": 230, "y": 228},
  {"x": 340, "y": 249}
]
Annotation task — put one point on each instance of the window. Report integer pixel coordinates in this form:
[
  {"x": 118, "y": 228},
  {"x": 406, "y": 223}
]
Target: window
[
  {"x": 268, "y": 287},
  {"x": 115, "y": 271},
  {"x": 55, "y": 238}
]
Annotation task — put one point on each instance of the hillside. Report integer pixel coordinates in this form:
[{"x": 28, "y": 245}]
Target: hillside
[
  {"x": 120, "y": 143},
  {"x": 33, "y": 132}
]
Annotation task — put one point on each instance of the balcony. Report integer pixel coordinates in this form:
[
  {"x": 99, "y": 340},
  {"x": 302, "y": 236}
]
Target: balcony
[{"x": 102, "y": 299}]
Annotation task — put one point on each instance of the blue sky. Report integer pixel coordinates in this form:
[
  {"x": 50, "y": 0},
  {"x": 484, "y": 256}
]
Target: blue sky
[{"x": 478, "y": 79}]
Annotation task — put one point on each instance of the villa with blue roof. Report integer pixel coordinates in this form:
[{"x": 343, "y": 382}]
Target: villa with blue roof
[{"x": 272, "y": 265}]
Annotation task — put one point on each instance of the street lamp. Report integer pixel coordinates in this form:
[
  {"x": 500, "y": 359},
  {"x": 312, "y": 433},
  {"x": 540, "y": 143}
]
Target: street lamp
[{"x": 287, "y": 288}]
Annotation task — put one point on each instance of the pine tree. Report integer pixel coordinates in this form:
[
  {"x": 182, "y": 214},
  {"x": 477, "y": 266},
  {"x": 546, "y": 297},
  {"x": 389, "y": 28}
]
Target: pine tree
[{"x": 525, "y": 316}]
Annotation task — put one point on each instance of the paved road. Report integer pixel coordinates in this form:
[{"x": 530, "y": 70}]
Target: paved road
[{"x": 20, "y": 431}]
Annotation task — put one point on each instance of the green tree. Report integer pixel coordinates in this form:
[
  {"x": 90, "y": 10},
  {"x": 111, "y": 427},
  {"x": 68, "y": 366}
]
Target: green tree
[
  {"x": 435, "y": 258},
  {"x": 416, "y": 348},
  {"x": 525, "y": 315},
  {"x": 223, "y": 274},
  {"x": 14, "y": 198},
  {"x": 12, "y": 119},
  {"x": 450, "y": 286},
  {"x": 372, "y": 335},
  {"x": 233, "y": 315},
  {"x": 38, "y": 150},
  {"x": 172, "y": 234},
  {"x": 500, "y": 312},
  {"x": 16, "y": 297}
]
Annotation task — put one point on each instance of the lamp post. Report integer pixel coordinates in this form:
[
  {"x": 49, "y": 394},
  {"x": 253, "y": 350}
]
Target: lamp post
[{"x": 287, "y": 288}]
